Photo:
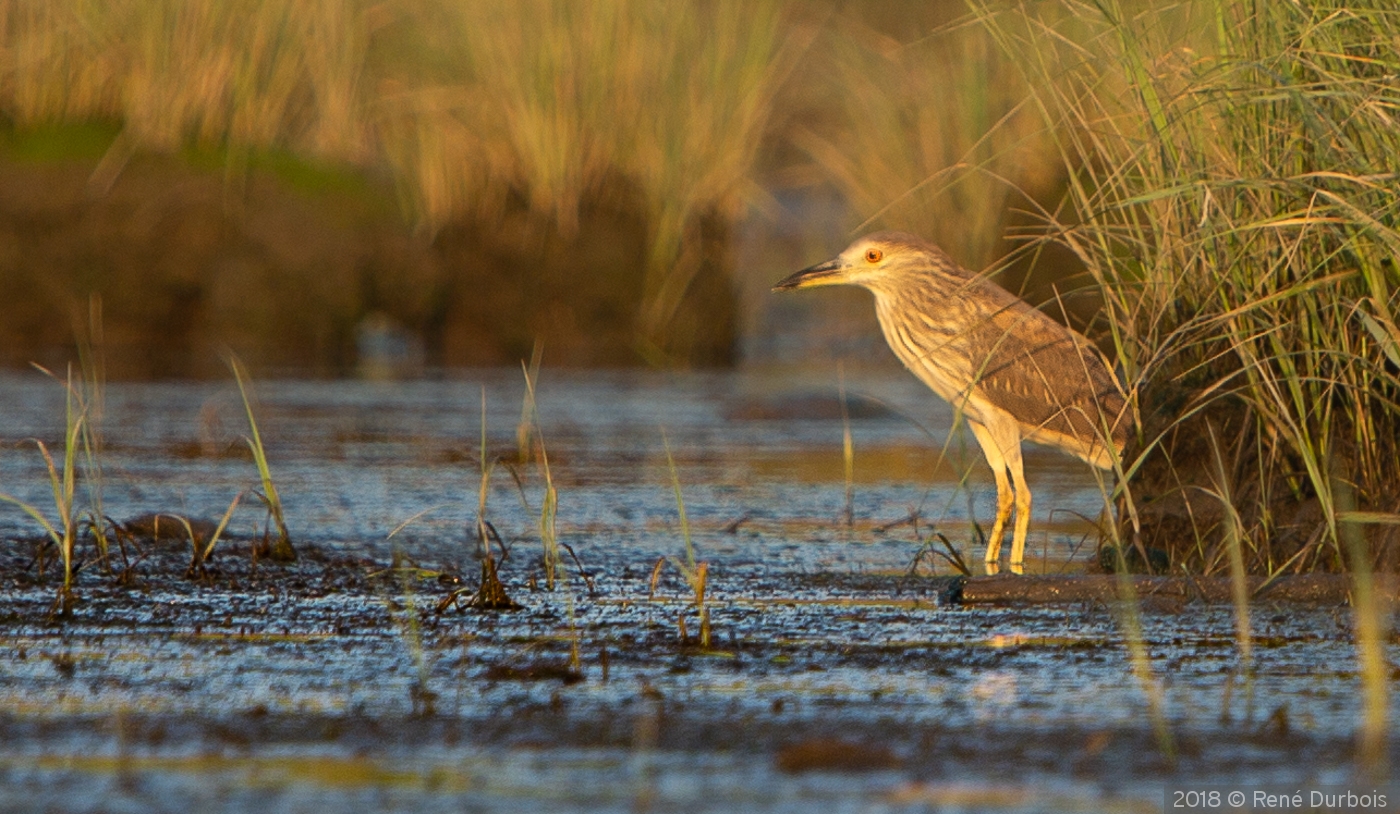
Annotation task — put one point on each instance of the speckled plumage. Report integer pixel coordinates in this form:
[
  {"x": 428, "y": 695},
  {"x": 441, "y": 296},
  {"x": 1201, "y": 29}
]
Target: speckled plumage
[{"x": 1012, "y": 371}]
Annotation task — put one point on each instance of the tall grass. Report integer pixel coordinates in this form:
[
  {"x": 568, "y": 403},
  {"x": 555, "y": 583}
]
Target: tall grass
[
  {"x": 247, "y": 75},
  {"x": 1234, "y": 195},
  {"x": 555, "y": 103}
]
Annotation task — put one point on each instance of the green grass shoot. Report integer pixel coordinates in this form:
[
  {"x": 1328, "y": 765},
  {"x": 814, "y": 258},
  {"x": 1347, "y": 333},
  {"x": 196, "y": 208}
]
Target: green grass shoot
[
  {"x": 549, "y": 505},
  {"x": 279, "y": 549},
  {"x": 63, "y": 532},
  {"x": 93, "y": 385},
  {"x": 696, "y": 574}
]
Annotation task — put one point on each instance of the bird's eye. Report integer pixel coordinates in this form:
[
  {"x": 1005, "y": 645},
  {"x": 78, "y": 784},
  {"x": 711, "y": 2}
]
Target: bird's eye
[{"x": 873, "y": 255}]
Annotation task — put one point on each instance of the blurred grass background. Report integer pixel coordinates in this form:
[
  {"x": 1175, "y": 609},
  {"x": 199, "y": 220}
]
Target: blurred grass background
[
  {"x": 1209, "y": 189},
  {"x": 270, "y": 173}
]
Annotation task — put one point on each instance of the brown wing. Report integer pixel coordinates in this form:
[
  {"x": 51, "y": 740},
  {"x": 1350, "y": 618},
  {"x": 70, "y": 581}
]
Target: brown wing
[{"x": 1052, "y": 380}]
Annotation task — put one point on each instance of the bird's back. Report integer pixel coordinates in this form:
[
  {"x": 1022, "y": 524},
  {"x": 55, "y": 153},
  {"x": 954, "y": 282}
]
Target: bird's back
[
  {"x": 1055, "y": 383},
  {"x": 982, "y": 348}
]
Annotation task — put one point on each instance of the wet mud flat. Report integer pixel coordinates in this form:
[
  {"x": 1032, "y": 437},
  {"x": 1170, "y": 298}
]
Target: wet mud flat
[
  {"x": 839, "y": 674},
  {"x": 326, "y": 680}
]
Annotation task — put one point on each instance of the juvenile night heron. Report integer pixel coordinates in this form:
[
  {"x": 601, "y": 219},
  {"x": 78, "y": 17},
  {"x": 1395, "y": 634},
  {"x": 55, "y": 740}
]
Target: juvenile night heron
[{"x": 1013, "y": 372}]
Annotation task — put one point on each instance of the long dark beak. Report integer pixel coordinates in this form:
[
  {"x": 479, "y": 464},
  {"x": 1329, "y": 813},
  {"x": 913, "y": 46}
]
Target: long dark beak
[{"x": 812, "y": 275}]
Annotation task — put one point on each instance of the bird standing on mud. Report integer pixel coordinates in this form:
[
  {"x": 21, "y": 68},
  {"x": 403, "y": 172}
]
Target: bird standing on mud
[{"x": 1009, "y": 369}]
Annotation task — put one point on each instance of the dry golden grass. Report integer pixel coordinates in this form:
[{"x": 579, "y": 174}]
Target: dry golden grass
[
  {"x": 1232, "y": 176},
  {"x": 1234, "y": 194}
]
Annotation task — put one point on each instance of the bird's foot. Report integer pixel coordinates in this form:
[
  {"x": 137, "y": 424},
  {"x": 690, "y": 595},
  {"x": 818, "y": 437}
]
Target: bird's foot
[
  {"x": 1018, "y": 568},
  {"x": 993, "y": 568}
]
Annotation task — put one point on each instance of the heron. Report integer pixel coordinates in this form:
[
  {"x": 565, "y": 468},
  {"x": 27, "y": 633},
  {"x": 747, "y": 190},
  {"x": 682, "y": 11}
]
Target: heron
[{"x": 1013, "y": 373}]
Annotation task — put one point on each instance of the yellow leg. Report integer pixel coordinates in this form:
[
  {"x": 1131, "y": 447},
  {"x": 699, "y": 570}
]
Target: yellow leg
[
  {"x": 1023, "y": 509},
  {"x": 1005, "y": 496}
]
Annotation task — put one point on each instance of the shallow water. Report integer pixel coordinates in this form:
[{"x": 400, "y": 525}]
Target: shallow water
[{"x": 306, "y": 687}]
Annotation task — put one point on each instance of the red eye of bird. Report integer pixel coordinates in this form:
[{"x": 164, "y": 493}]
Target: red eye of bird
[{"x": 873, "y": 255}]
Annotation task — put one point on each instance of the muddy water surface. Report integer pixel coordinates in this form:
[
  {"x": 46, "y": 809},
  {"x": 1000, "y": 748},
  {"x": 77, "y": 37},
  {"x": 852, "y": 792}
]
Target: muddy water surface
[{"x": 835, "y": 678}]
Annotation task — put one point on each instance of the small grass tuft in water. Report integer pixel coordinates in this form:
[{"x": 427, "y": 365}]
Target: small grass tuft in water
[
  {"x": 529, "y": 418},
  {"x": 278, "y": 549},
  {"x": 490, "y": 593},
  {"x": 696, "y": 574},
  {"x": 64, "y": 531}
]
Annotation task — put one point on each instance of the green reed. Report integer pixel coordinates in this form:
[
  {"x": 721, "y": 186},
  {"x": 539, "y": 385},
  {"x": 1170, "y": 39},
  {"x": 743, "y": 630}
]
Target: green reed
[
  {"x": 93, "y": 388},
  {"x": 279, "y": 549},
  {"x": 63, "y": 531},
  {"x": 549, "y": 533},
  {"x": 696, "y": 574}
]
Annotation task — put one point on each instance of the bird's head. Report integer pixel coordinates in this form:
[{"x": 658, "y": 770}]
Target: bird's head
[{"x": 871, "y": 261}]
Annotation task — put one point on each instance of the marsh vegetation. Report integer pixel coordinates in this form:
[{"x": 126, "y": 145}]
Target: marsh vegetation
[{"x": 1208, "y": 190}]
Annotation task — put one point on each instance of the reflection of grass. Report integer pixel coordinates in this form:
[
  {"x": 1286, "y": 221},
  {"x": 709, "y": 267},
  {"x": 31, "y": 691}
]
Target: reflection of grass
[
  {"x": 279, "y": 549},
  {"x": 283, "y": 770},
  {"x": 421, "y": 697}
]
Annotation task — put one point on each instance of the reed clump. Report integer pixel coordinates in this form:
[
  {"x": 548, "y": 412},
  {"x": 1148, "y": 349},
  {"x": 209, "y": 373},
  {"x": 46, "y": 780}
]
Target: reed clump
[{"x": 1233, "y": 195}]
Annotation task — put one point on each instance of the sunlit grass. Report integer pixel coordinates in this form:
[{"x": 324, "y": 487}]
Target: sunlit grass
[
  {"x": 696, "y": 574},
  {"x": 1232, "y": 174},
  {"x": 530, "y": 435},
  {"x": 200, "y": 549},
  {"x": 279, "y": 548},
  {"x": 1232, "y": 192},
  {"x": 93, "y": 367},
  {"x": 931, "y": 132},
  {"x": 62, "y": 530}
]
